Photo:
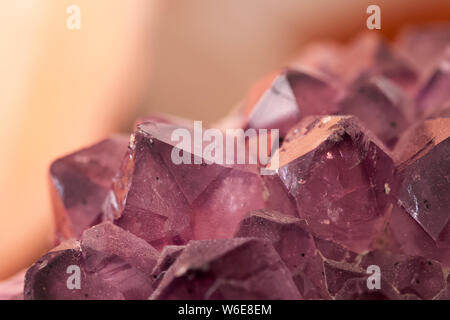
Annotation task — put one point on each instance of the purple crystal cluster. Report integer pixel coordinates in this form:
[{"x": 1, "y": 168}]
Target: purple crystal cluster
[{"x": 363, "y": 184}]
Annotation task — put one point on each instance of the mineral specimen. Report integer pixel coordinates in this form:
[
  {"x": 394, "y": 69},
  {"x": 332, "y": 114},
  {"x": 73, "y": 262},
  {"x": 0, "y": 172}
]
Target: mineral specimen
[{"x": 357, "y": 205}]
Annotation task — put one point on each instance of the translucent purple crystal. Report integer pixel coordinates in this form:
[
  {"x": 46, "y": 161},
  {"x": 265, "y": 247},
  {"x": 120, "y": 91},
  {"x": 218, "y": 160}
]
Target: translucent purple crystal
[
  {"x": 294, "y": 244},
  {"x": 207, "y": 270},
  {"x": 408, "y": 274},
  {"x": 357, "y": 206},
  {"x": 293, "y": 96},
  {"x": 165, "y": 203},
  {"x": 381, "y": 106},
  {"x": 111, "y": 263},
  {"x": 339, "y": 175}
]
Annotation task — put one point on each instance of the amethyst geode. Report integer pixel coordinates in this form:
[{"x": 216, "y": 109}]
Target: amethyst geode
[{"x": 358, "y": 208}]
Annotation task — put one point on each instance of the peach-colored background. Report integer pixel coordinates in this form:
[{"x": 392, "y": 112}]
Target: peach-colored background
[{"x": 62, "y": 89}]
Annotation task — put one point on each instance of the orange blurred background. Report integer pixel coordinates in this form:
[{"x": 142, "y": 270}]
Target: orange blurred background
[{"x": 62, "y": 89}]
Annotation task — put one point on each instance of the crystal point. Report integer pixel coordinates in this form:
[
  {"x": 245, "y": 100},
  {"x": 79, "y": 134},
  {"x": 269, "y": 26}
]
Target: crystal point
[{"x": 339, "y": 175}]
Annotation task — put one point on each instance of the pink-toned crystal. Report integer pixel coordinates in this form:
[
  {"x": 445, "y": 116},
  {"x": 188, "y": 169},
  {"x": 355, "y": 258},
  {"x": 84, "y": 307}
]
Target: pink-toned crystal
[
  {"x": 107, "y": 239},
  {"x": 406, "y": 236},
  {"x": 380, "y": 105},
  {"x": 293, "y": 96},
  {"x": 145, "y": 197},
  {"x": 408, "y": 274},
  {"x": 423, "y": 178},
  {"x": 80, "y": 182},
  {"x": 338, "y": 273},
  {"x": 165, "y": 203},
  {"x": 239, "y": 269},
  {"x": 113, "y": 264},
  {"x": 294, "y": 244},
  {"x": 119, "y": 258},
  {"x": 338, "y": 204},
  {"x": 339, "y": 175},
  {"x": 12, "y": 288},
  {"x": 350, "y": 281}
]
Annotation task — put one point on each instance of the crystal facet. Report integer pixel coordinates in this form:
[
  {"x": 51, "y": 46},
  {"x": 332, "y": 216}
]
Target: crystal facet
[
  {"x": 294, "y": 244},
  {"x": 339, "y": 175},
  {"x": 165, "y": 203},
  {"x": 435, "y": 93},
  {"x": 356, "y": 207},
  {"x": 424, "y": 175},
  {"x": 207, "y": 270},
  {"x": 110, "y": 263}
]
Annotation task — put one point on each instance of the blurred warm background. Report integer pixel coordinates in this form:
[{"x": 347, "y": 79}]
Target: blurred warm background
[{"x": 61, "y": 89}]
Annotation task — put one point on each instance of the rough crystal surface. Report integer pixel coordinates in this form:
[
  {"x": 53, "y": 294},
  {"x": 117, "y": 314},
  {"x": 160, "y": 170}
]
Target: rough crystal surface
[
  {"x": 112, "y": 264},
  {"x": 409, "y": 275},
  {"x": 294, "y": 244},
  {"x": 47, "y": 279},
  {"x": 339, "y": 175},
  {"x": 165, "y": 203},
  {"x": 207, "y": 270},
  {"x": 80, "y": 182},
  {"x": 423, "y": 175}
]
